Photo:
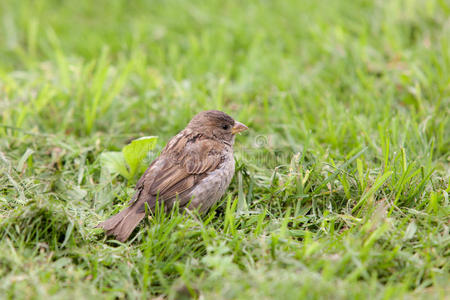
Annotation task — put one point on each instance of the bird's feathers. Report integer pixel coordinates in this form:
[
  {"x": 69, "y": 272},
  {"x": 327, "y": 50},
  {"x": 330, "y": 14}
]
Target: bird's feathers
[
  {"x": 182, "y": 164},
  {"x": 187, "y": 159}
]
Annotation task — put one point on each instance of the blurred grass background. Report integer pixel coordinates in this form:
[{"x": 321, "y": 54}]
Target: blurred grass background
[{"x": 360, "y": 90}]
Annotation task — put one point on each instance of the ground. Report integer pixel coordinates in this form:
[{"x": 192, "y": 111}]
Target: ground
[{"x": 342, "y": 181}]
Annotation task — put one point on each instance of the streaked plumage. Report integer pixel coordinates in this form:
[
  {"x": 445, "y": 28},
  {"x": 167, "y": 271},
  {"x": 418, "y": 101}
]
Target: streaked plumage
[{"x": 195, "y": 169}]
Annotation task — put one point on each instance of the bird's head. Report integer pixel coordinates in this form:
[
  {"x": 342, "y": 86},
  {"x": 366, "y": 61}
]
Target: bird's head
[{"x": 216, "y": 124}]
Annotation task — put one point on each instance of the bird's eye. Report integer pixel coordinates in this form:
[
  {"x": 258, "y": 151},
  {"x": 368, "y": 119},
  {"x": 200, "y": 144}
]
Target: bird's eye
[{"x": 225, "y": 127}]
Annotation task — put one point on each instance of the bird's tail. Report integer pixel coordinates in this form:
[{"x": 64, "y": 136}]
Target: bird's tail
[{"x": 122, "y": 224}]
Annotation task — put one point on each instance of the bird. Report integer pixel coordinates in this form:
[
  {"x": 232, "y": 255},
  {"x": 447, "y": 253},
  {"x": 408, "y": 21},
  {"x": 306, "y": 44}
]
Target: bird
[{"x": 194, "y": 169}]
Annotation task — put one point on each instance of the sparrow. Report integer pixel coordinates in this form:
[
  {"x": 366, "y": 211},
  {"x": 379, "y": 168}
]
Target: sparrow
[{"x": 194, "y": 169}]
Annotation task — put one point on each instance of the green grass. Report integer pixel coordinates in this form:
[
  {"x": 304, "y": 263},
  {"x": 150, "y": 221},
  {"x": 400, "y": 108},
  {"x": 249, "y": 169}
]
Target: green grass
[{"x": 342, "y": 183}]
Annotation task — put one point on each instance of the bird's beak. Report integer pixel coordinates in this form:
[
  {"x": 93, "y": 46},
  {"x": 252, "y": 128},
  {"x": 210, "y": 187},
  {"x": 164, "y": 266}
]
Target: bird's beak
[{"x": 238, "y": 127}]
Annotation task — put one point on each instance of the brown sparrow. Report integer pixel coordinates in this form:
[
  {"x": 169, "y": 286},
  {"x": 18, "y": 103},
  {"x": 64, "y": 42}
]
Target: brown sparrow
[{"x": 195, "y": 169}]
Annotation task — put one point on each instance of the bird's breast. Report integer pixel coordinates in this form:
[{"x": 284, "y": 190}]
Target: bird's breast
[{"x": 211, "y": 188}]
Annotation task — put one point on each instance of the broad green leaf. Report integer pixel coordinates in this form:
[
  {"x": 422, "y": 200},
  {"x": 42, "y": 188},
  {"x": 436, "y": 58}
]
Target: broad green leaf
[
  {"x": 114, "y": 162},
  {"x": 136, "y": 151}
]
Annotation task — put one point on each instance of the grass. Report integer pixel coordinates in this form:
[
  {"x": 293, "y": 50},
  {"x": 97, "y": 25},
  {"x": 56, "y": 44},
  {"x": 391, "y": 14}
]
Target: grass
[{"x": 342, "y": 183}]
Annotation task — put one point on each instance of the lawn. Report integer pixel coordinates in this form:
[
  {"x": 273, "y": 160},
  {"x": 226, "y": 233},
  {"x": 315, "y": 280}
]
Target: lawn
[{"x": 341, "y": 184}]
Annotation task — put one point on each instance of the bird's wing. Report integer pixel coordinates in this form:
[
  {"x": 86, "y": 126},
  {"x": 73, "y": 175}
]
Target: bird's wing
[{"x": 183, "y": 163}]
